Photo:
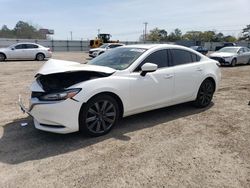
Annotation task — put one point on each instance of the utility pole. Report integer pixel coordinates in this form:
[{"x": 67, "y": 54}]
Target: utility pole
[
  {"x": 71, "y": 35},
  {"x": 98, "y": 31},
  {"x": 145, "y": 30}
]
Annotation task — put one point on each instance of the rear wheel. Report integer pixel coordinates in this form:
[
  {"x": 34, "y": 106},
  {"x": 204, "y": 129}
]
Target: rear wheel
[
  {"x": 2, "y": 57},
  {"x": 205, "y": 94},
  {"x": 40, "y": 57},
  {"x": 99, "y": 115},
  {"x": 233, "y": 62}
]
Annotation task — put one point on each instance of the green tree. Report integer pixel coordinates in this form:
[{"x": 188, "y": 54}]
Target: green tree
[
  {"x": 157, "y": 35},
  {"x": 175, "y": 36},
  {"x": 193, "y": 35},
  {"x": 229, "y": 38},
  {"x": 21, "y": 30},
  {"x": 6, "y": 32}
]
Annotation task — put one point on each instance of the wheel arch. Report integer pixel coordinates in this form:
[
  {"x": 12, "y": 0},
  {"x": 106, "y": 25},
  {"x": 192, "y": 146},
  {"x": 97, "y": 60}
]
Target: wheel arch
[
  {"x": 213, "y": 80},
  {"x": 4, "y": 54},
  {"x": 115, "y": 96},
  {"x": 40, "y": 53}
]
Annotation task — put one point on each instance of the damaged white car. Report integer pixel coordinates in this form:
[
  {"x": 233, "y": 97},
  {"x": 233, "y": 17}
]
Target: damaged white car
[{"x": 68, "y": 96}]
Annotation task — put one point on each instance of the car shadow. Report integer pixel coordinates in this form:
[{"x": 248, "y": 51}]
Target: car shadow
[
  {"x": 20, "y": 144},
  {"x": 22, "y": 60}
]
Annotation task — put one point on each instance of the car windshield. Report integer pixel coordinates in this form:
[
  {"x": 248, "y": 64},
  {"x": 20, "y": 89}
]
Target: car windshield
[
  {"x": 230, "y": 50},
  {"x": 118, "y": 58},
  {"x": 103, "y": 46}
]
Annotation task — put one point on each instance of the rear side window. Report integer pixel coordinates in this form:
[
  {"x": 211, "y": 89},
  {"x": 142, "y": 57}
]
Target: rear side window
[
  {"x": 195, "y": 57},
  {"x": 159, "y": 58},
  {"x": 180, "y": 57},
  {"x": 31, "y": 46}
]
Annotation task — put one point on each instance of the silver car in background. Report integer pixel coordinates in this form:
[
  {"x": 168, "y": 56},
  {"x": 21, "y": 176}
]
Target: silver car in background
[
  {"x": 103, "y": 48},
  {"x": 21, "y": 51},
  {"x": 232, "y": 55}
]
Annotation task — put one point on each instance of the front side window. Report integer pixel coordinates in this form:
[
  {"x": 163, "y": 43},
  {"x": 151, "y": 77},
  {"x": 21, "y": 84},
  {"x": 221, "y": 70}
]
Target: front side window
[
  {"x": 159, "y": 58},
  {"x": 20, "y": 46},
  {"x": 118, "y": 58}
]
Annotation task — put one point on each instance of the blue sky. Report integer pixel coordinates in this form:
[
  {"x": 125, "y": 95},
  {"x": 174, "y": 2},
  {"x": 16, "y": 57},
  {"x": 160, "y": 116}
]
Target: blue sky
[{"x": 124, "y": 19}]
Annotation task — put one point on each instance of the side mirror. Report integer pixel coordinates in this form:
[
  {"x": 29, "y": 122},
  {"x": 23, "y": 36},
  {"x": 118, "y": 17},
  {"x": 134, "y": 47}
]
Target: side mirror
[
  {"x": 148, "y": 67},
  {"x": 12, "y": 48}
]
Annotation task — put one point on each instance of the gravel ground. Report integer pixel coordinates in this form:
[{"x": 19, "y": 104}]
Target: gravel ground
[{"x": 179, "y": 146}]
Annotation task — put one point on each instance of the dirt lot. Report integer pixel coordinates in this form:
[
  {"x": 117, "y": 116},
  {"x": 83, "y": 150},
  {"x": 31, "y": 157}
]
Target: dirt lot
[{"x": 179, "y": 146}]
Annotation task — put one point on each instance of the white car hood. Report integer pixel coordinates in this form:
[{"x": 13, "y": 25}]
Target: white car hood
[
  {"x": 222, "y": 54},
  {"x": 59, "y": 66},
  {"x": 4, "y": 49}
]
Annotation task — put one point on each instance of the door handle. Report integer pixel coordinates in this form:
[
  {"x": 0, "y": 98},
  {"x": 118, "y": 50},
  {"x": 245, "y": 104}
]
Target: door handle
[
  {"x": 168, "y": 76},
  {"x": 199, "y": 69}
]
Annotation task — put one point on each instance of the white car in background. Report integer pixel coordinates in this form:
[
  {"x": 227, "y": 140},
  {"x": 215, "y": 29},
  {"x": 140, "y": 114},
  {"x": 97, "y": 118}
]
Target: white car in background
[
  {"x": 232, "y": 55},
  {"x": 23, "y": 51},
  {"x": 103, "y": 48},
  {"x": 68, "y": 96}
]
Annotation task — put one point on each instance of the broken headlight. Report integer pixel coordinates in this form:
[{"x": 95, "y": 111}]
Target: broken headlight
[{"x": 57, "y": 96}]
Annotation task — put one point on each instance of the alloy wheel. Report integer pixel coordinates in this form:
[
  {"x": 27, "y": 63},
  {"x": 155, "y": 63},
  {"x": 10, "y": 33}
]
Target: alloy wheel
[
  {"x": 101, "y": 116},
  {"x": 206, "y": 93}
]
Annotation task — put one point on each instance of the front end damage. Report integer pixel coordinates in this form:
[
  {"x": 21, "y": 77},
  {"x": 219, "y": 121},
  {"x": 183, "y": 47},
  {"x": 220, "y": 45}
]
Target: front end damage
[{"x": 52, "y": 103}]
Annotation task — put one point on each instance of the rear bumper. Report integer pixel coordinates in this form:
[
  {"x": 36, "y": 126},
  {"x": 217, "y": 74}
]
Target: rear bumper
[
  {"x": 49, "y": 55},
  {"x": 57, "y": 117}
]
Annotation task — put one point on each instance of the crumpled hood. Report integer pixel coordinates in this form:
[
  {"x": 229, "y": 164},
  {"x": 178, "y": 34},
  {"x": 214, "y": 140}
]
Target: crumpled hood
[
  {"x": 222, "y": 54},
  {"x": 3, "y": 49},
  {"x": 53, "y": 66}
]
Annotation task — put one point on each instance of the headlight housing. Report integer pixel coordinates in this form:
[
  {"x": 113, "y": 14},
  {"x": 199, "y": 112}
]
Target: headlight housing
[{"x": 58, "y": 96}]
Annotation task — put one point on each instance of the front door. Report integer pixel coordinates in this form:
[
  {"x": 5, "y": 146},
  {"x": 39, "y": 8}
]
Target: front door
[{"x": 155, "y": 89}]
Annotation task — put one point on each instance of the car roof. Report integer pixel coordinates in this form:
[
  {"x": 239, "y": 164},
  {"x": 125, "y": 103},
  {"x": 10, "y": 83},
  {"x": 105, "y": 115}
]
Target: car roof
[
  {"x": 26, "y": 43},
  {"x": 150, "y": 46},
  {"x": 114, "y": 43}
]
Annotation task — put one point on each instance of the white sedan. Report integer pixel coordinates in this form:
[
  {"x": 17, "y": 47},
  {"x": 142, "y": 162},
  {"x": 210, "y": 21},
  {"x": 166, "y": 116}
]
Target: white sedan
[
  {"x": 25, "y": 51},
  {"x": 103, "y": 48},
  {"x": 232, "y": 55},
  {"x": 68, "y": 96}
]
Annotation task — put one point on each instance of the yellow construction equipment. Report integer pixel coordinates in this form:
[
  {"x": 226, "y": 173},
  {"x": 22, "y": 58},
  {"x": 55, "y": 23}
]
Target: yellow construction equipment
[{"x": 101, "y": 39}]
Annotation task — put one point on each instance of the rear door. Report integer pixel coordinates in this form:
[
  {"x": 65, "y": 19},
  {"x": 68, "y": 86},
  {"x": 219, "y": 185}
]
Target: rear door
[
  {"x": 188, "y": 73},
  {"x": 31, "y": 51}
]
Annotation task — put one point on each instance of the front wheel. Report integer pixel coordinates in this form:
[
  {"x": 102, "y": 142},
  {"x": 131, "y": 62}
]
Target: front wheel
[
  {"x": 205, "y": 94},
  {"x": 2, "y": 57},
  {"x": 99, "y": 115},
  {"x": 248, "y": 63},
  {"x": 233, "y": 63}
]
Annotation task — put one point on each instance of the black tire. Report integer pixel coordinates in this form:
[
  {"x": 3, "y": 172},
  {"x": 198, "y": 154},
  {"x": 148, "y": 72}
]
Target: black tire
[
  {"x": 233, "y": 62},
  {"x": 248, "y": 63},
  {"x": 2, "y": 57},
  {"x": 205, "y": 94},
  {"x": 99, "y": 115},
  {"x": 40, "y": 57}
]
